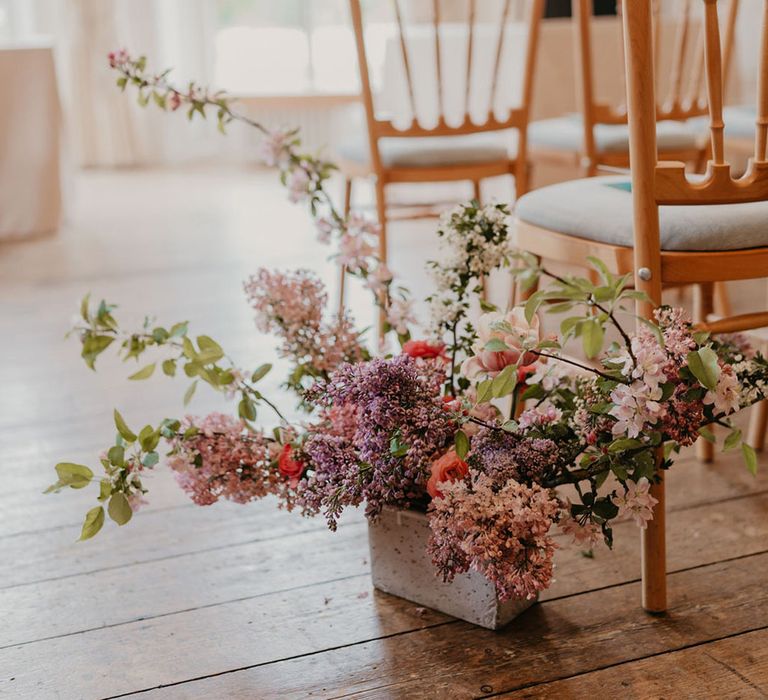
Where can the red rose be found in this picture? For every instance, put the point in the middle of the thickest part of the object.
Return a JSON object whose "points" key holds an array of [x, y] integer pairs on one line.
{"points": [[289, 467], [448, 468], [422, 348]]}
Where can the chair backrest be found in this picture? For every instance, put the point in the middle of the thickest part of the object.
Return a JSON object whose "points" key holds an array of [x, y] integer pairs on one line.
{"points": [[657, 183], [680, 87], [466, 27]]}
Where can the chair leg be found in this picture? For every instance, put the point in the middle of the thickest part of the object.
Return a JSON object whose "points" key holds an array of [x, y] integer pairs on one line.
{"points": [[722, 302], [702, 307], [654, 554], [381, 210], [758, 423], [343, 268], [476, 191]]}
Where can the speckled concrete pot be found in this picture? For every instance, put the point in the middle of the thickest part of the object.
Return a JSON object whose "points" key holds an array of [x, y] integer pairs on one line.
{"points": [[401, 566]]}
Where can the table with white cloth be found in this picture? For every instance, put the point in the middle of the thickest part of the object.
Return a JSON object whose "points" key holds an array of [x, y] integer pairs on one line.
{"points": [[30, 139]]}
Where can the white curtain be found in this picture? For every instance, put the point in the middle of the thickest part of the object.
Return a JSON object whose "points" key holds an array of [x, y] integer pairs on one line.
{"points": [[108, 128]]}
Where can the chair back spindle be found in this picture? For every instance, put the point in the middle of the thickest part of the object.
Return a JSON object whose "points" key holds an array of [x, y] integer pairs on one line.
{"points": [[487, 52]]}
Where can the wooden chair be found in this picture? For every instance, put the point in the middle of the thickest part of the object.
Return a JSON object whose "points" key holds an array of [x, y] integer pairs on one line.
{"points": [[708, 230], [443, 152], [598, 137]]}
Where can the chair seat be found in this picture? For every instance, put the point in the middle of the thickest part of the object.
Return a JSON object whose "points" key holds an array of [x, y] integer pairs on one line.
{"points": [[600, 209], [431, 151], [567, 134]]}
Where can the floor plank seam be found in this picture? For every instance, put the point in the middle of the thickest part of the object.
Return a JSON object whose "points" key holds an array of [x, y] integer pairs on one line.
{"points": [[217, 548], [288, 658], [150, 618], [673, 650]]}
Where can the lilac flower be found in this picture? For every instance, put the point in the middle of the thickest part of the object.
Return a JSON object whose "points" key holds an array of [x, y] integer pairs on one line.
{"points": [[504, 456], [400, 427], [502, 533]]}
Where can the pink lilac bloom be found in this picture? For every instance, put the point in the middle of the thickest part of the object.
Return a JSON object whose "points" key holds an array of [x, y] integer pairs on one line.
{"points": [[395, 399], [740, 342], [225, 460], [500, 532], [355, 252], [274, 148], [400, 314], [298, 184], [726, 397], [682, 417], [291, 305], [675, 328], [539, 415], [118, 58], [636, 501], [324, 230]]}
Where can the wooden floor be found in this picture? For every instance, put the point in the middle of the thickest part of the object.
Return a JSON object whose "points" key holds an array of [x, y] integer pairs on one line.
{"points": [[249, 602]]}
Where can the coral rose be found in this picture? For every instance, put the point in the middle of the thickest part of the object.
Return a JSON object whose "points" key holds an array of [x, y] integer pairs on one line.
{"points": [[424, 349], [289, 467], [448, 468], [515, 333]]}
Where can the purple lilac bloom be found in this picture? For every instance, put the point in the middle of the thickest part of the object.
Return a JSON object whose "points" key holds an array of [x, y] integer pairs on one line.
{"points": [[398, 405], [504, 456]]}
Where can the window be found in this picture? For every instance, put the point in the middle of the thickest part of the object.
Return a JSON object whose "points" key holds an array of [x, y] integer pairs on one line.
{"points": [[292, 46]]}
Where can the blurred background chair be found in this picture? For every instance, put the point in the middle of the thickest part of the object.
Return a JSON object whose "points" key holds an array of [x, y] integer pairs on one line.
{"points": [[462, 104], [597, 137]]}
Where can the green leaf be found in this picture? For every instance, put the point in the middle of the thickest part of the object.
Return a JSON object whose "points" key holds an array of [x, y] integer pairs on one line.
{"points": [[123, 429], [190, 392], [119, 509], [732, 440], [260, 372], [84, 308], [179, 329], [624, 444], [116, 456], [703, 364], [144, 373], [496, 345], [105, 489], [210, 350], [148, 438], [246, 409], [532, 305], [94, 519], [750, 457], [592, 336], [77, 476], [169, 368], [485, 391], [461, 443], [505, 382], [707, 434], [150, 459], [602, 268]]}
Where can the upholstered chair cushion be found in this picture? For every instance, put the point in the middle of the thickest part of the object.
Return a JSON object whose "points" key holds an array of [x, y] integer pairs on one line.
{"points": [[432, 151], [567, 134], [600, 209]]}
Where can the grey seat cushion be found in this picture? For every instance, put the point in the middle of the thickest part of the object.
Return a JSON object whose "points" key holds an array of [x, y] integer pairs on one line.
{"points": [[429, 151], [600, 209], [567, 134]]}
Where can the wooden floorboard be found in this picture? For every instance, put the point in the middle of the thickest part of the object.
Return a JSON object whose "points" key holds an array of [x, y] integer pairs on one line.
{"points": [[251, 602]]}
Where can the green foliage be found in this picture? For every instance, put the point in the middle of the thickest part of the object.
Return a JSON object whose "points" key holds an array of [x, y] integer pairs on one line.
{"points": [[94, 520], [704, 366]]}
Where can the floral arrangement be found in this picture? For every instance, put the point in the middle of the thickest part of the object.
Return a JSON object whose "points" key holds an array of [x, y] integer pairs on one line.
{"points": [[482, 426]]}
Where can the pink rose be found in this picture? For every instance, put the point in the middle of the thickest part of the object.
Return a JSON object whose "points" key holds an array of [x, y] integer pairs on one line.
{"points": [[290, 468], [515, 332], [448, 468]]}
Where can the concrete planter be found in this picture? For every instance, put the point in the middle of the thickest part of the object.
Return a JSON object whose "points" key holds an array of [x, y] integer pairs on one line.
{"points": [[401, 566]]}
